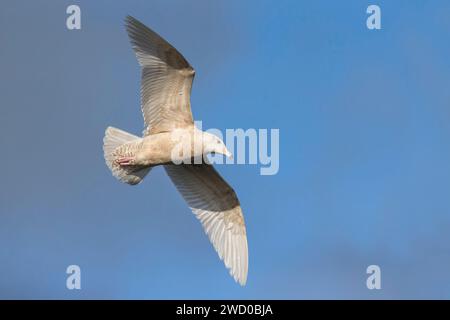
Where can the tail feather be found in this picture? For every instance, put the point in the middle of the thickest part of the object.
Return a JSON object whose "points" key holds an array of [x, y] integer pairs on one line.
{"points": [[117, 142]]}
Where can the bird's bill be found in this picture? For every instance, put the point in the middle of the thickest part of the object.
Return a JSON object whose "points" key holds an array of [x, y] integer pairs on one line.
{"points": [[228, 153]]}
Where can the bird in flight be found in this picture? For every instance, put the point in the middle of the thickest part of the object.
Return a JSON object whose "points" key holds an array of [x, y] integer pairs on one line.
{"points": [[171, 139]]}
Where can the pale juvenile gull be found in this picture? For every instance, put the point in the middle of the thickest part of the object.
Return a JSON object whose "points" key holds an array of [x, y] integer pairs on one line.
{"points": [[165, 102]]}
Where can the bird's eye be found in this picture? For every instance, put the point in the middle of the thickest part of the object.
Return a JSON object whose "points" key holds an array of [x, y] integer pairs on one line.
{"points": [[218, 142]]}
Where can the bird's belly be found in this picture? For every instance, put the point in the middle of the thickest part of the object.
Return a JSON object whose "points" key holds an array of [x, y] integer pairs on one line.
{"points": [[155, 150], [164, 148]]}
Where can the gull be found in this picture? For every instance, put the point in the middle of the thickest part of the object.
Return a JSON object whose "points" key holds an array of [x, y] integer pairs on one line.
{"points": [[166, 83]]}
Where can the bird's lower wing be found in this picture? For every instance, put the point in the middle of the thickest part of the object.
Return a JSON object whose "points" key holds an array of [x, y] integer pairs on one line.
{"points": [[216, 205]]}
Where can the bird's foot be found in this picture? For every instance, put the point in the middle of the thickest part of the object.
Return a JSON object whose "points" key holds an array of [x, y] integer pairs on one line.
{"points": [[125, 161]]}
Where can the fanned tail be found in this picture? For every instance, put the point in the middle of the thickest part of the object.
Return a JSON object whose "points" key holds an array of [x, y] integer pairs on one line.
{"points": [[118, 143]]}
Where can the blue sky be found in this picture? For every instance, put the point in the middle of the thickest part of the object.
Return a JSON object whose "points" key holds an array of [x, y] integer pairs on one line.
{"points": [[364, 119]]}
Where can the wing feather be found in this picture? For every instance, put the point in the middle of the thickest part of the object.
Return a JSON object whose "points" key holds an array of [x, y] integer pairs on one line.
{"points": [[217, 207], [166, 80]]}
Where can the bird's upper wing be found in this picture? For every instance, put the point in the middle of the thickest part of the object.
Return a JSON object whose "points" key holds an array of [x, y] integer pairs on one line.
{"points": [[166, 80], [216, 205]]}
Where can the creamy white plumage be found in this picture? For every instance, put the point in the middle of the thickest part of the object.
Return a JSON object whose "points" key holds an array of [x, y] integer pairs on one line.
{"points": [[165, 102]]}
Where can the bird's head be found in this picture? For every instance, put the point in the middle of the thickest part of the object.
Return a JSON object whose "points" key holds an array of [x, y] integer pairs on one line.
{"points": [[213, 144]]}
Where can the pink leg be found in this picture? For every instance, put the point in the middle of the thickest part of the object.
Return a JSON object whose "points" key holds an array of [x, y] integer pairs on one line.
{"points": [[125, 161]]}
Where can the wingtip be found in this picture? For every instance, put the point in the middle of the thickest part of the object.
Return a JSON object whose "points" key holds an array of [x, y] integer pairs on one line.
{"points": [[240, 276], [129, 18], [241, 279], [129, 21]]}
